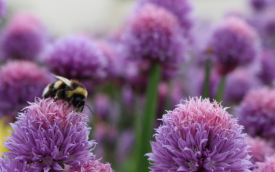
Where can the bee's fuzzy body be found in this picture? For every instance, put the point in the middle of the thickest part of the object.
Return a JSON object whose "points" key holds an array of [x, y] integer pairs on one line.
{"points": [[71, 91]]}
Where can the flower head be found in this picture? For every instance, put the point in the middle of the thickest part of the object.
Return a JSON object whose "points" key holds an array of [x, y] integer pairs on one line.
{"points": [[181, 9], [50, 134], [20, 81], [76, 57], [154, 35], [267, 166], [232, 44], [23, 38], [199, 136], [257, 113], [259, 149], [9, 165], [93, 166]]}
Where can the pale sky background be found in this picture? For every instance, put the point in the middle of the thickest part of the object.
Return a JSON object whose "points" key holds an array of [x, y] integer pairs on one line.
{"points": [[63, 17]]}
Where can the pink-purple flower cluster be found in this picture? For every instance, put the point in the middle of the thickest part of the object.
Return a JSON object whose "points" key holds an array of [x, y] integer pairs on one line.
{"points": [[48, 135], [257, 113], [153, 35], [199, 136]]}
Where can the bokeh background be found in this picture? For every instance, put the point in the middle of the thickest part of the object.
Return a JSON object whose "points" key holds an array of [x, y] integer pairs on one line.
{"points": [[134, 69]]}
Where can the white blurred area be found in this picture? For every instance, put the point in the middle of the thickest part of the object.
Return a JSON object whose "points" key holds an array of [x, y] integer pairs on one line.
{"points": [[63, 17]]}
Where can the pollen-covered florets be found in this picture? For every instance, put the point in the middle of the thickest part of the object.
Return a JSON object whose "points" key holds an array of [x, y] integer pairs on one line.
{"points": [[199, 136], [48, 135]]}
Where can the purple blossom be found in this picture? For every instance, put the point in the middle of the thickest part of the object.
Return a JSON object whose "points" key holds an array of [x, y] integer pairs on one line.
{"points": [[23, 38], [233, 43], [257, 113], [267, 166], [199, 136], [181, 9], [153, 35], [239, 82], [20, 81], [259, 149], [93, 166], [9, 165], [48, 135], [76, 57], [267, 74]]}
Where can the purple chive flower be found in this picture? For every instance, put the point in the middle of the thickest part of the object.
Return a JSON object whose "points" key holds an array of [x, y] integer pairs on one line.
{"points": [[239, 82], [20, 81], [257, 113], [23, 38], [9, 165], [199, 136], [181, 9], [48, 135], [267, 166], [267, 74], [259, 149], [232, 44], [153, 35], [76, 57], [93, 166]]}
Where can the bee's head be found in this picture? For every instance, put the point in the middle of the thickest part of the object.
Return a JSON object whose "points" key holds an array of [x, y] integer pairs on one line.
{"points": [[78, 101]]}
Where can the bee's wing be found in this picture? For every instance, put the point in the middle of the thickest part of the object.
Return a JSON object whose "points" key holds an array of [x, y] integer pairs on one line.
{"points": [[65, 80]]}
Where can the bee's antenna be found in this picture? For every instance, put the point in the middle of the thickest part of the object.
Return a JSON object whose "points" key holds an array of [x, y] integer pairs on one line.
{"points": [[90, 109]]}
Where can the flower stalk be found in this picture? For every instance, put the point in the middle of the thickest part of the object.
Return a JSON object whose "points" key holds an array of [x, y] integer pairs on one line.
{"points": [[147, 121]]}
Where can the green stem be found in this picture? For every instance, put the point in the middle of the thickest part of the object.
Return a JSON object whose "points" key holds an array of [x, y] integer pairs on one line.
{"points": [[147, 121], [206, 80], [219, 96]]}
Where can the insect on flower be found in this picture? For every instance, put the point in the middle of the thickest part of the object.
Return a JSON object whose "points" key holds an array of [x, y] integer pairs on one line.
{"points": [[69, 90]]}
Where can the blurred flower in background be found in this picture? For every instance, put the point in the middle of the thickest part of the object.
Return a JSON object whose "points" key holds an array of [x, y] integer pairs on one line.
{"points": [[153, 35], [181, 9], [23, 38], [76, 57], [20, 82], [233, 43], [256, 113], [259, 149]]}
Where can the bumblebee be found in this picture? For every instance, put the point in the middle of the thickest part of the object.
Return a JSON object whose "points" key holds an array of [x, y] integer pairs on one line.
{"points": [[71, 91]]}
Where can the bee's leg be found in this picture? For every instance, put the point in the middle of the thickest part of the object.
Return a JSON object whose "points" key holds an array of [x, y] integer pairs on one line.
{"points": [[81, 110]]}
